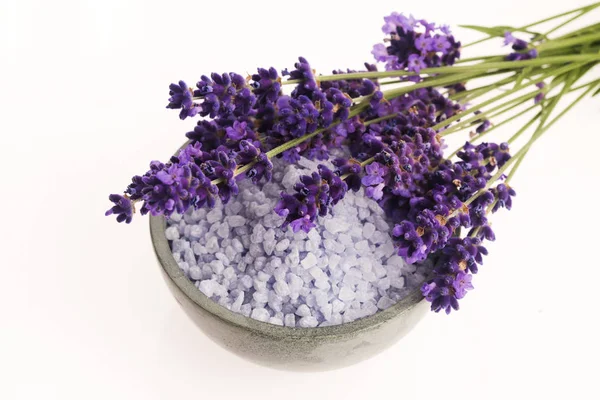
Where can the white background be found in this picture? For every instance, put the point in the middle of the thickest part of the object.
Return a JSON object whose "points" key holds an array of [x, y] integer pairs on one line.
{"points": [[84, 313]]}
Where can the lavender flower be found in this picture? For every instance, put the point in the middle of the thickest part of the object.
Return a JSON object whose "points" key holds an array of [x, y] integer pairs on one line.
{"points": [[540, 96], [298, 116], [166, 190], [177, 185], [208, 133], [262, 168], [224, 95], [182, 98], [352, 87], [503, 194], [304, 73], [374, 180], [221, 167], [350, 170], [516, 44], [315, 195], [266, 85], [452, 273], [123, 208], [519, 46], [415, 44]]}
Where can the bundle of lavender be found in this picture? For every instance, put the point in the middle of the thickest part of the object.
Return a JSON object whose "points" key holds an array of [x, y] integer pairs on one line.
{"points": [[376, 135]]}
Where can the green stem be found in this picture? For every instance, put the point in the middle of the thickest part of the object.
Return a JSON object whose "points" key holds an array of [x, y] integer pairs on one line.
{"points": [[523, 129], [585, 29], [486, 58], [521, 153], [484, 134], [367, 161], [557, 27], [493, 179], [570, 42], [543, 113], [506, 182], [362, 165], [376, 120], [511, 104], [552, 71], [486, 114], [589, 7], [512, 172], [474, 93], [444, 81], [455, 70], [594, 82], [508, 109], [355, 111]]}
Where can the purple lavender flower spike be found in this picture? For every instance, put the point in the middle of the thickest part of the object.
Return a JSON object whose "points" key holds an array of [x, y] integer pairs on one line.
{"points": [[266, 85], [484, 126], [202, 192], [182, 98], [540, 96], [408, 47], [261, 169], [221, 166], [181, 95], [247, 152], [315, 195], [166, 189], [509, 38], [352, 88], [123, 208], [224, 95], [443, 295], [410, 247], [291, 156], [452, 273], [303, 223], [519, 46], [350, 169], [208, 133], [304, 73], [504, 195]]}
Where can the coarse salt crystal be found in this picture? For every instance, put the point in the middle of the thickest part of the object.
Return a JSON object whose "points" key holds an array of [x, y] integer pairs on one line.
{"points": [[309, 261], [308, 322], [346, 294], [214, 215], [260, 314], [336, 225]]}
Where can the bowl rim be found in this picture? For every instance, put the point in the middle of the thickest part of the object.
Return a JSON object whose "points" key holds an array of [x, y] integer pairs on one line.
{"points": [[167, 262]]}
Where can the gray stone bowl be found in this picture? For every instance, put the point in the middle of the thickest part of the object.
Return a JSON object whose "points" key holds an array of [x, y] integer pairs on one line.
{"points": [[302, 349]]}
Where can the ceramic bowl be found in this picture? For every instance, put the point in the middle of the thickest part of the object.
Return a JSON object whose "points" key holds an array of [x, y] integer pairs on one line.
{"points": [[308, 349]]}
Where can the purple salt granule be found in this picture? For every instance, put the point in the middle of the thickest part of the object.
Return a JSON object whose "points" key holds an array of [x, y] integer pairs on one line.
{"points": [[343, 269]]}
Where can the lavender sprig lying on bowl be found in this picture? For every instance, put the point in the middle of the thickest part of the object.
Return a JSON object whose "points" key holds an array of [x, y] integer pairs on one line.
{"points": [[387, 128]]}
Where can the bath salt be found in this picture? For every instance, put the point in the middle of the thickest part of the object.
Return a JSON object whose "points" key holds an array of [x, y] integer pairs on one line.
{"points": [[344, 269]]}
